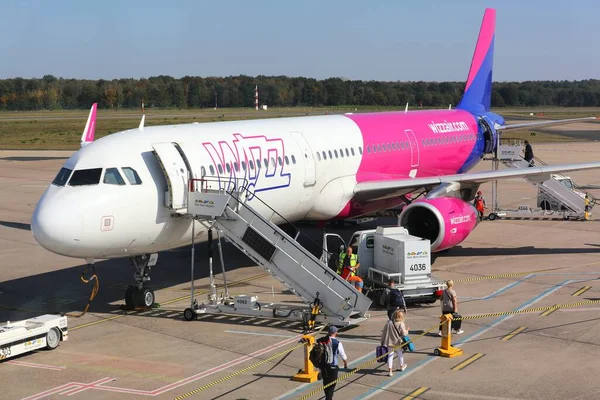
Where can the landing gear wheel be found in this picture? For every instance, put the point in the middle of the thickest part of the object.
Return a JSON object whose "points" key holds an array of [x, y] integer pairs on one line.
{"points": [[189, 314], [492, 216], [144, 298], [436, 352], [52, 339]]}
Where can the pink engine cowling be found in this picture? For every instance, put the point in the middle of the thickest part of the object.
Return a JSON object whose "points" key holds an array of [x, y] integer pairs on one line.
{"points": [[445, 221]]}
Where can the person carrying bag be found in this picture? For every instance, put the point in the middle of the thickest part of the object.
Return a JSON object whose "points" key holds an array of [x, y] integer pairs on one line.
{"points": [[392, 337], [450, 306]]}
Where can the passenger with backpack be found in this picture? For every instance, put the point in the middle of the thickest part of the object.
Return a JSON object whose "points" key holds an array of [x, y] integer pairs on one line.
{"points": [[392, 337], [393, 299], [325, 355]]}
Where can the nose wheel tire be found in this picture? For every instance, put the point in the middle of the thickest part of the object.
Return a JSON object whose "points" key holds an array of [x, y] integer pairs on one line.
{"points": [[135, 297]]}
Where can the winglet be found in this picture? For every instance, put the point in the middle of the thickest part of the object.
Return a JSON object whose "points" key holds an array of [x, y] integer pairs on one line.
{"points": [[90, 127], [141, 127], [406, 109]]}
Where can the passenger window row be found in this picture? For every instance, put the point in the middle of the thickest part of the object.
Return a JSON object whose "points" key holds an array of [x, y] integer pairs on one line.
{"points": [[250, 166], [86, 177], [347, 152], [451, 139]]}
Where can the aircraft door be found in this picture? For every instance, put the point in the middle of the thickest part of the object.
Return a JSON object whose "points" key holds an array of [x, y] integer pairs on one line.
{"points": [[176, 170], [489, 134], [414, 150], [309, 160]]}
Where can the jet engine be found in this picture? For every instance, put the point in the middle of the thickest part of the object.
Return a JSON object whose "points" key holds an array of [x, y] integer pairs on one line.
{"points": [[445, 221]]}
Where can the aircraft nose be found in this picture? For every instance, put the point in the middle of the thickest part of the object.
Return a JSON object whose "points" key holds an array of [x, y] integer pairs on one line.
{"points": [[58, 226]]}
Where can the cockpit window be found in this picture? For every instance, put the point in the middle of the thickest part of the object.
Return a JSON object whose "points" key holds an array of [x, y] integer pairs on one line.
{"points": [[86, 177], [62, 177], [132, 176], [113, 177]]}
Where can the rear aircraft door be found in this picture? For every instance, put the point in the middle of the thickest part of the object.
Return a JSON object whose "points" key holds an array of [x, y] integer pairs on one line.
{"points": [[309, 160], [175, 167], [414, 148]]}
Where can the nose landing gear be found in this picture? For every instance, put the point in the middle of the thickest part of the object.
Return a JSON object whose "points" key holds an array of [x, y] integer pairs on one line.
{"points": [[141, 295]]}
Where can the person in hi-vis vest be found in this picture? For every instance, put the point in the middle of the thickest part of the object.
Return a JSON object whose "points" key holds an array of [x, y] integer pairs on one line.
{"points": [[347, 260], [347, 267]]}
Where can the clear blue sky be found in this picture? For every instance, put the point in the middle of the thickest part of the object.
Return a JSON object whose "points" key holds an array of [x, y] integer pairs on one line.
{"points": [[369, 40]]}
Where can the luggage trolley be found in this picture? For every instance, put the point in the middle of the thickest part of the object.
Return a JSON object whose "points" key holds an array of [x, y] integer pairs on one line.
{"points": [[32, 334]]}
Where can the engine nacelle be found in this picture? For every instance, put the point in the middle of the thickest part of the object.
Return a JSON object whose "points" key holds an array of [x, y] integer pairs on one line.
{"points": [[445, 221]]}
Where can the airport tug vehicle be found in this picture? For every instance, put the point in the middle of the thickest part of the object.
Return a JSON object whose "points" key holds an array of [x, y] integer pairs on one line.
{"points": [[46, 331]]}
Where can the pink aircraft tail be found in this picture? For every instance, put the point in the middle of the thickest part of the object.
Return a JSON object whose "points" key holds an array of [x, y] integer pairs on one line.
{"points": [[90, 127], [478, 90]]}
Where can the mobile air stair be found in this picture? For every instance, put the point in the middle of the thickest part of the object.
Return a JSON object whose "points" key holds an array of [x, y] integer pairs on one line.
{"points": [[227, 210], [557, 195]]}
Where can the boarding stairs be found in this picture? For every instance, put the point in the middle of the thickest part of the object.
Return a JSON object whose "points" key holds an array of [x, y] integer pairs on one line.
{"points": [[570, 198], [277, 252]]}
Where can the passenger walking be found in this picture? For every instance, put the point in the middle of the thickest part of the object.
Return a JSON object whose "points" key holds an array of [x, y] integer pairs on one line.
{"points": [[391, 337], [330, 370], [480, 204], [450, 306], [528, 156], [393, 299]]}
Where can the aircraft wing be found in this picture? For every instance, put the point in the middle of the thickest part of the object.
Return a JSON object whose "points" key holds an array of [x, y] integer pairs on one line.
{"points": [[541, 123], [380, 189]]}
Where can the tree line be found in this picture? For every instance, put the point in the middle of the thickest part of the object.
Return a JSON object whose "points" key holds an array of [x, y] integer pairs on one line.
{"points": [[51, 93]]}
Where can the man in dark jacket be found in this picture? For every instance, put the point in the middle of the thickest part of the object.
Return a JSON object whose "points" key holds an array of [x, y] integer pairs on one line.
{"points": [[393, 299], [528, 154]]}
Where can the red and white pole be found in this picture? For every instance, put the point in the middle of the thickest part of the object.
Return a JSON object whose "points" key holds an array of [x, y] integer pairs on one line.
{"points": [[256, 97]]}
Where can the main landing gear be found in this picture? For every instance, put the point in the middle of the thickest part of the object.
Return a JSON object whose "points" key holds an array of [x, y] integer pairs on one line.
{"points": [[140, 295]]}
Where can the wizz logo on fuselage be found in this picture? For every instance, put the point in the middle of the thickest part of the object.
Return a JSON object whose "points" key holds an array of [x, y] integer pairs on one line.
{"points": [[244, 158]]}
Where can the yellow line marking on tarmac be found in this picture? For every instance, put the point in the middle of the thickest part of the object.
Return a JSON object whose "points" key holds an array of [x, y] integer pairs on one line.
{"points": [[97, 322], [416, 393], [513, 333], [467, 362], [508, 275], [581, 291], [549, 311]]}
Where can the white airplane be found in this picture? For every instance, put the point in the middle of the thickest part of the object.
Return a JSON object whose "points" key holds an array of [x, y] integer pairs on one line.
{"points": [[124, 195]]}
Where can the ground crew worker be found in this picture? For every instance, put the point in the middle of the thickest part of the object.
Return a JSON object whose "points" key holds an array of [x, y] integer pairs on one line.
{"points": [[330, 374], [587, 206], [348, 260], [480, 204]]}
